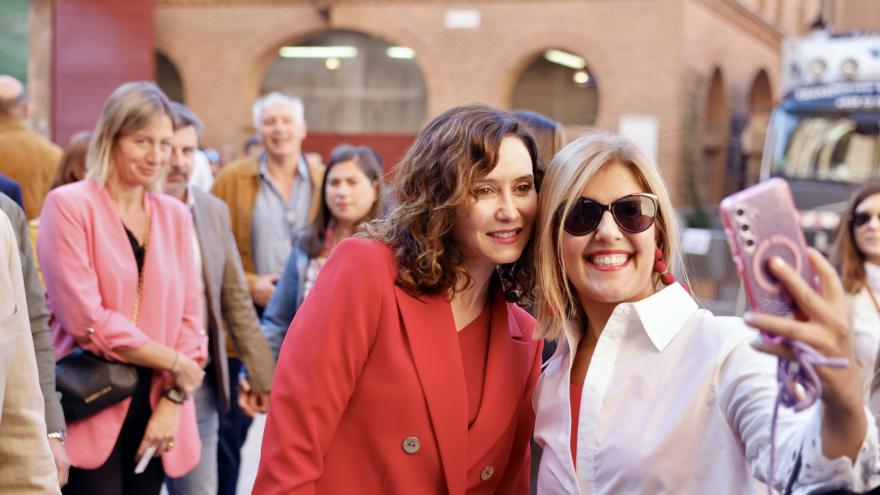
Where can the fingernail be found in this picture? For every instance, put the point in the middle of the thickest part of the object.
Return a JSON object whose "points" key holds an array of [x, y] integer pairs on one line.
{"points": [[749, 317], [758, 343], [777, 262]]}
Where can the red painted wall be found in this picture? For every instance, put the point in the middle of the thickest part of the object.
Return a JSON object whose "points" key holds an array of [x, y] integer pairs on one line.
{"points": [[97, 45], [391, 147]]}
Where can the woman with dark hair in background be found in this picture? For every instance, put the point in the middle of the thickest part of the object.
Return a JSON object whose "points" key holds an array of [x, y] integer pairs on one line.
{"points": [[409, 369], [352, 193], [856, 254], [72, 166]]}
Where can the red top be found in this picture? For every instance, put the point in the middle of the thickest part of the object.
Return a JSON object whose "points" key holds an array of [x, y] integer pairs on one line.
{"points": [[575, 391], [474, 342]]}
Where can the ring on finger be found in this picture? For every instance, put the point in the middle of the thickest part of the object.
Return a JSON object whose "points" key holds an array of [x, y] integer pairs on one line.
{"points": [[169, 445]]}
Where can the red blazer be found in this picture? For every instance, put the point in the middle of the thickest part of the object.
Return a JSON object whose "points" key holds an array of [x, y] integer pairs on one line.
{"points": [[369, 393]]}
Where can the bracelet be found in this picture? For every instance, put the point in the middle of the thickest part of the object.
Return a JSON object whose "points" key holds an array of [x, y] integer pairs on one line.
{"points": [[58, 435], [174, 363], [175, 395]]}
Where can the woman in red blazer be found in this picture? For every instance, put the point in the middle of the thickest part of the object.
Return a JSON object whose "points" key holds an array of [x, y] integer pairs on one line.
{"points": [[408, 368]]}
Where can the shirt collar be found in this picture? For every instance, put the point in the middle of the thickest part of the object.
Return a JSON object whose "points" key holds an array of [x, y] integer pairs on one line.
{"points": [[190, 200], [11, 122], [661, 315], [302, 169]]}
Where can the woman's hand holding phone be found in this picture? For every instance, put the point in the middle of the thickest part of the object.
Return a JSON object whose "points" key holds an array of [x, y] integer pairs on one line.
{"points": [[821, 322]]}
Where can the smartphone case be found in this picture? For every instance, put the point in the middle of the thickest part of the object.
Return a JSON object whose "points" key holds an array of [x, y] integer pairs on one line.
{"points": [[761, 221]]}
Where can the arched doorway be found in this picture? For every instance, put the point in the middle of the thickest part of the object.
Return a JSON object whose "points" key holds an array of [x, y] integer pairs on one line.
{"points": [[168, 79], [560, 85], [715, 140], [356, 89], [760, 106]]}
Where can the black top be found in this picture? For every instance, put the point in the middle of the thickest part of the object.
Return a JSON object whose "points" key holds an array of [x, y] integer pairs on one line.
{"points": [[139, 251]]}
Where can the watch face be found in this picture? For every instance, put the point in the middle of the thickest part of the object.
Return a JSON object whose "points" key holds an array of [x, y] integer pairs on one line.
{"points": [[175, 395]]}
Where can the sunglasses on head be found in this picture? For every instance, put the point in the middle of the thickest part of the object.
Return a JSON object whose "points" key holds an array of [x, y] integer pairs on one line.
{"points": [[633, 213], [863, 217]]}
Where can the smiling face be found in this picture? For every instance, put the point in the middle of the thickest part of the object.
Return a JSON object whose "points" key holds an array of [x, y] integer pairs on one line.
{"points": [[494, 228], [867, 236], [610, 265], [349, 193], [139, 157], [281, 133]]}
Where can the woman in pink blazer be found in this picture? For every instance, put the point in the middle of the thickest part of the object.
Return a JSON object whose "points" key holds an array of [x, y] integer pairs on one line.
{"points": [[406, 369], [121, 283]]}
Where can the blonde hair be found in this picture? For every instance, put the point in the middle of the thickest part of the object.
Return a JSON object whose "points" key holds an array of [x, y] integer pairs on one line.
{"points": [[567, 175], [130, 108]]}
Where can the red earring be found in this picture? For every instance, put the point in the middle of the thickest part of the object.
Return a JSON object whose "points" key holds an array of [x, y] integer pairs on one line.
{"points": [[660, 267]]}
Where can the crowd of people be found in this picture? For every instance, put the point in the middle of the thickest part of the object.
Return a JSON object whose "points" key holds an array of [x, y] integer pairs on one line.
{"points": [[502, 316]]}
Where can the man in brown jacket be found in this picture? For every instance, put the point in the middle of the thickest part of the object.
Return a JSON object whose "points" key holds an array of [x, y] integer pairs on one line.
{"points": [[25, 157], [270, 198]]}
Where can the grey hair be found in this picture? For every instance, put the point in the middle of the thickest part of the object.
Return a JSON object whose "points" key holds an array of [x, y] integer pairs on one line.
{"points": [[264, 101]]}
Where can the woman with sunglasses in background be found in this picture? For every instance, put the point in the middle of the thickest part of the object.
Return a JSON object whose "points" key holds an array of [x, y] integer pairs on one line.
{"points": [[647, 393], [856, 254]]}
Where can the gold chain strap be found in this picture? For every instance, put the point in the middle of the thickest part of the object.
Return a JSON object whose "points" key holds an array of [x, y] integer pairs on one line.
{"points": [[136, 312]]}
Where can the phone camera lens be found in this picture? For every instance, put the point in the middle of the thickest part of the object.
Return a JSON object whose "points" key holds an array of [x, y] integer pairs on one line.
{"points": [[740, 212], [744, 227], [750, 242]]}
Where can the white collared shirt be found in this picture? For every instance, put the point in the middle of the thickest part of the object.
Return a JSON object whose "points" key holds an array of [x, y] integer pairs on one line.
{"points": [[865, 322], [676, 401]]}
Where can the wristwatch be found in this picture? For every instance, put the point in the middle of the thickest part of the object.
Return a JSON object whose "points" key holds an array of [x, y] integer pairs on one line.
{"points": [[175, 395]]}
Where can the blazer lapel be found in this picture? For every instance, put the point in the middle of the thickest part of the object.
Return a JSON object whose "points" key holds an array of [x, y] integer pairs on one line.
{"points": [[430, 330], [507, 371]]}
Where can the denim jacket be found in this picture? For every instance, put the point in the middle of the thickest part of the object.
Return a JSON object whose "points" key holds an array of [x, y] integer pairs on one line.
{"points": [[286, 300]]}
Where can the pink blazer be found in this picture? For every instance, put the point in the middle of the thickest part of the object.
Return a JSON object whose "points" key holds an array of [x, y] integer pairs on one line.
{"points": [[91, 283], [369, 393]]}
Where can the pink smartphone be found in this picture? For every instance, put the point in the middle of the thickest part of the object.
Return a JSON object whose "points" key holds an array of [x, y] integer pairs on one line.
{"points": [[761, 222]]}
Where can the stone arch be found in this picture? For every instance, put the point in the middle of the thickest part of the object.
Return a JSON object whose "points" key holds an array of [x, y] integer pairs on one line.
{"points": [[371, 92], [760, 104], [715, 139], [169, 78], [507, 64], [574, 89]]}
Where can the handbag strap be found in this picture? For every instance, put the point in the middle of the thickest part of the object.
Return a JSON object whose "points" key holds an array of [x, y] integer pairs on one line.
{"points": [[136, 312]]}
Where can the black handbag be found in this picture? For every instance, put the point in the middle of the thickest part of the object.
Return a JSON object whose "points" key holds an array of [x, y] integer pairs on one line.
{"points": [[90, 383]]}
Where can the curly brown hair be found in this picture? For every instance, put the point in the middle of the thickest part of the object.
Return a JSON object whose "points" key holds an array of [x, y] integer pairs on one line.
{"points": [[433, 179]]}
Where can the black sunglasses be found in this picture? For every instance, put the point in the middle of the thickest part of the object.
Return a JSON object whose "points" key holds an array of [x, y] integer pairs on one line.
{"points": [[863, 217], [633, 213]]}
